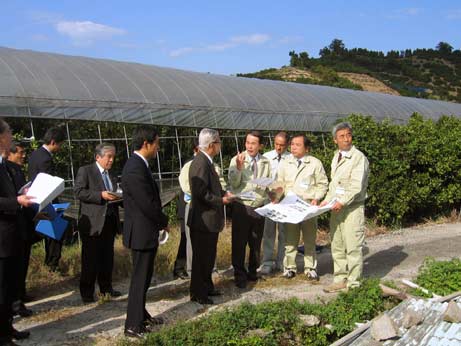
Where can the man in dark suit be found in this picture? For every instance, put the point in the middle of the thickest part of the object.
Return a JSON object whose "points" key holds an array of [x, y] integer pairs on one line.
{"points": [[10, 242], [41, 161], [206, 216], [143, 221], [14, 164], [98, 223]]}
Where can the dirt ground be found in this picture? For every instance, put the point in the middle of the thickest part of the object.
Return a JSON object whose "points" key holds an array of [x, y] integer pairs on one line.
{"points": [[62, 319]]}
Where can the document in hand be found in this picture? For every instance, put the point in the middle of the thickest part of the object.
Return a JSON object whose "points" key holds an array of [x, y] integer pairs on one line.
{"points": [[45, 188], [246, 196], [263, 182], [292, 209]]}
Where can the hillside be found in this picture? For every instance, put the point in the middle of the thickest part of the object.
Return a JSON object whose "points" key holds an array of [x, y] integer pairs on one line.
{"points": [[425, 73]]}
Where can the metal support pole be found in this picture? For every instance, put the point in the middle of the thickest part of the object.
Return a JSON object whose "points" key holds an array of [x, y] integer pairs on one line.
{"points": [[99, 132], [179, 147], [32, 128], [70, 153], [126, 142]]}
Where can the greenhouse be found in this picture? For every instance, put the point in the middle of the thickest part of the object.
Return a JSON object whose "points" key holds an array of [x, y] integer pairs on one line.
{"points": [[39, 90]]}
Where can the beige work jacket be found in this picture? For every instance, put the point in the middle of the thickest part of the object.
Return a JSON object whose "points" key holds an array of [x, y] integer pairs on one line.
{"points": [[349, 178], [308, 181]]}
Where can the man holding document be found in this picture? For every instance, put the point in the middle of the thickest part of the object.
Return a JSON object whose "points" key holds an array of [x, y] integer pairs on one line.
{"points": [[302, 175], [11, 244], [247, 225], [349, 181], [98, 222]]}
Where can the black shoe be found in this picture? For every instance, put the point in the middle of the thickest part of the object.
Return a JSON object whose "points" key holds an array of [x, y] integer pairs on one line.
{"points": [[154, 321], [182, 274], [252, 277], [214, 293], [27, 298], [206, 301], [20, 309], [135, 332], [241, 284], [7, 342], [17, 335], [88, 300]]}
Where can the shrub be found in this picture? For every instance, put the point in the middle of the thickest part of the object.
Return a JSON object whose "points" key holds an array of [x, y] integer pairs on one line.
{"points": [[281, 319], [415, 169]]}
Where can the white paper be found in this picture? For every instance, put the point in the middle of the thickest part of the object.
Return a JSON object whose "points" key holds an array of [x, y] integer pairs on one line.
{"points": [[292, 209], [264, 182], [45, 188], [246, 196]]}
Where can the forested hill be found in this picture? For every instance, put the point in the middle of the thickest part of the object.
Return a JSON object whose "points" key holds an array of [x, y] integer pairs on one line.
{"points": [[426, 73]]}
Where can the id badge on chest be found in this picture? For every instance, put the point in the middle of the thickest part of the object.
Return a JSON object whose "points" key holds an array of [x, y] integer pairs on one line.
{"points": [[304, 184], [340, 191]]}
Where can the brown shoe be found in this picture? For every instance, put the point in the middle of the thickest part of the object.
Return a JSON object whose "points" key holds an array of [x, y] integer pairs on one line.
{"points": [[336, 287]]}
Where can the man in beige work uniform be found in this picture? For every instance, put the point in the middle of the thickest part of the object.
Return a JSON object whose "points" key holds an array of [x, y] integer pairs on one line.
{"points": [[349, 181], [303, 175], [247, 225]]}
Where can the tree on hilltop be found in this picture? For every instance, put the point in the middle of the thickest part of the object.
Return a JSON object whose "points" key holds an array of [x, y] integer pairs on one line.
{"points": [[444, 48]]}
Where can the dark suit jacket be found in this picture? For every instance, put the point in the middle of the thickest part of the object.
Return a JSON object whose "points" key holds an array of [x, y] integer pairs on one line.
{"points": [[93, 208], [206, 212], [10, 237], [25, 215], [40, 161], [143, 208]]}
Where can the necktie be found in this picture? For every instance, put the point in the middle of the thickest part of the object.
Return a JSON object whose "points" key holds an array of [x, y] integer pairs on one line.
{"points": [[105, 178], [299, 162], [279, 157], [339, 157], [254, 168]]}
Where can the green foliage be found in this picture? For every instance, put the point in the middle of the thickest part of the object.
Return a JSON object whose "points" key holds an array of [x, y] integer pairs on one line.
{"points": [[426, 73], [171, 210], [281, 319], [415, 169], [440, 277]]}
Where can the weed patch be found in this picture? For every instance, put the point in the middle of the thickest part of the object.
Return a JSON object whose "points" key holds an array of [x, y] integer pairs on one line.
{"points": [[440, 277], [279, 322]]}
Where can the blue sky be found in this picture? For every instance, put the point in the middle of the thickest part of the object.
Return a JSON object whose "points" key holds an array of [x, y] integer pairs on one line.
{"points": [[225, 37]]}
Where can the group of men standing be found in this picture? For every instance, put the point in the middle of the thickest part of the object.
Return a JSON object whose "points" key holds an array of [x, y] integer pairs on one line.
{"points": [[296, 171]]}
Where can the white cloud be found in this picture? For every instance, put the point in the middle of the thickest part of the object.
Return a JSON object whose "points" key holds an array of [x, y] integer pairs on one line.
{"points": [[454, 14], [221, 46], [405, 13], [290, 39], [251, 39], [181, 51], [233, 42], [86, 32]]}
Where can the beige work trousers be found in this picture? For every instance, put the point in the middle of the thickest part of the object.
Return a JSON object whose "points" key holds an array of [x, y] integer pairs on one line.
{"points": [[292, 234], [347, 229]]}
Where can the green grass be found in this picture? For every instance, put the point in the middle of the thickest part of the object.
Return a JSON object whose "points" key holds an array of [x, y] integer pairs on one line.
{"points": [[40, 279], [440, 277], [281, 319]]}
